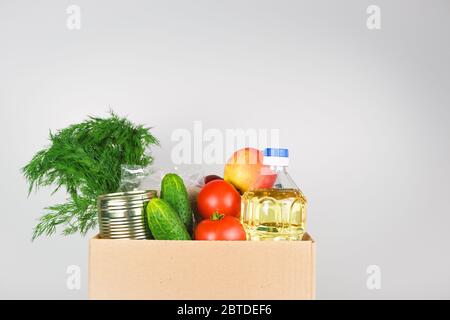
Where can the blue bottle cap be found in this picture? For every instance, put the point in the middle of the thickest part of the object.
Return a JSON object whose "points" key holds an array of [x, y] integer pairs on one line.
{"points": [[276, 152]]}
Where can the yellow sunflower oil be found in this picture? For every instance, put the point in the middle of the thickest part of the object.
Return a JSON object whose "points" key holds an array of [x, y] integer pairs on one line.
{"points": [[276, 213]]}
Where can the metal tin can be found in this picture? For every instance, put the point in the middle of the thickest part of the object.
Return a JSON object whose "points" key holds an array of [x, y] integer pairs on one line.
{"points": [[122, 215]]}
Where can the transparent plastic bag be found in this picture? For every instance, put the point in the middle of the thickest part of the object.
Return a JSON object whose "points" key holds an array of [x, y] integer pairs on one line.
{"points": [[192, 177], [149, 178], [131, 177]]}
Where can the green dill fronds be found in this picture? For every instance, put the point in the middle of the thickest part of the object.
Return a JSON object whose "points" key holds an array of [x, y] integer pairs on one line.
{"points": [[85, 159]]}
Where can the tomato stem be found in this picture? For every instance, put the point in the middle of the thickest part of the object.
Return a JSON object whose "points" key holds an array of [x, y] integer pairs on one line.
{"points": [[216, 216]]}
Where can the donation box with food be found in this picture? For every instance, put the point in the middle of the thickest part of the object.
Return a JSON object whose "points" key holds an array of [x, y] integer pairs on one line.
{"points": [[176, 233]]}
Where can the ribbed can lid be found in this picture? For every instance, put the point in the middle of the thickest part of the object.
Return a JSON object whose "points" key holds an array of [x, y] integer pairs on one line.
{"points": [[124, 200]]}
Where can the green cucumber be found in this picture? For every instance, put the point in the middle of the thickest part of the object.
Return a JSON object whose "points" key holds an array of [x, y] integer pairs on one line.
{"points": [[164, 222], [174, 192]]}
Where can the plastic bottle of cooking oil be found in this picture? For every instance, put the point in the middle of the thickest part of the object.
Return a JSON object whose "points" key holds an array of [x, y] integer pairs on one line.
{"points": [[277, 212]]}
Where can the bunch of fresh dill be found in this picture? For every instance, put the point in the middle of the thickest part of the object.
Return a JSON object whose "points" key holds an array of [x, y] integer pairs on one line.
{"points": [[85, 159]]}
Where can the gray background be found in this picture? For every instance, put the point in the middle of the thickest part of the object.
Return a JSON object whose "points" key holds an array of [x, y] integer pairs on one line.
{"points": [[364, 113]]}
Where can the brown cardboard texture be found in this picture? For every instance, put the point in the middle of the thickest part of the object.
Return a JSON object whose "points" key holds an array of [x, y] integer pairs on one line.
{"points": [[153, 269]]}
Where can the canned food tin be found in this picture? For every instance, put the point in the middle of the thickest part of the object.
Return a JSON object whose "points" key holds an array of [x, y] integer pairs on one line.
{"points": [[122, 215]]}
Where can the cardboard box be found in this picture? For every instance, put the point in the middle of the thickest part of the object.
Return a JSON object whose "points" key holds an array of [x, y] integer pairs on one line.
{"points": [[151, 269]]}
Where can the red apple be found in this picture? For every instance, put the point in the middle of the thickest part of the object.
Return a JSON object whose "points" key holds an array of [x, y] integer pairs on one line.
{"points": [[245, 170]]}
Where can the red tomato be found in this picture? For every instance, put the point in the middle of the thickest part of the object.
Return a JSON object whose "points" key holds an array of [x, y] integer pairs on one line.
{"points": [[219, 196], [220, 227]]}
